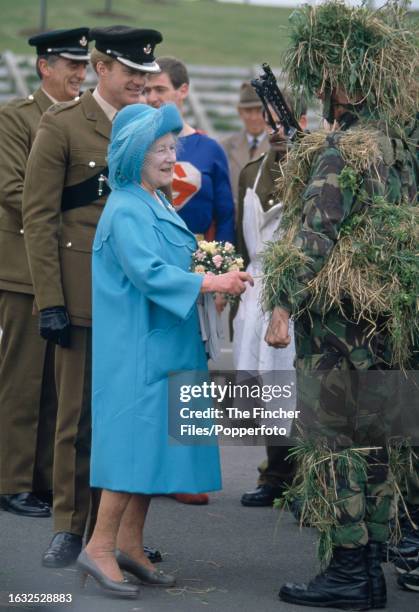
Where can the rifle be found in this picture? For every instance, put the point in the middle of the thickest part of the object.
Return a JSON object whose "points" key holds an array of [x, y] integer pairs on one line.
{"points": [[268, 91]]}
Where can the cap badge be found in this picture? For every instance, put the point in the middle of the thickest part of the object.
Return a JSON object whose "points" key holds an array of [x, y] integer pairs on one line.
{"points": [[83, 41], [148, 49]]}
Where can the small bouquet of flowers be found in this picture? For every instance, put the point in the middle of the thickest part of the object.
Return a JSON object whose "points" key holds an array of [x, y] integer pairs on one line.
{"points": [[217, 258]]}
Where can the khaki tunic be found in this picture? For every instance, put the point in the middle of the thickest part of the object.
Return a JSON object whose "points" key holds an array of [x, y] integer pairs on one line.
{"points": [[265, 190], [236, 147], [70, 147], [19, 121]]}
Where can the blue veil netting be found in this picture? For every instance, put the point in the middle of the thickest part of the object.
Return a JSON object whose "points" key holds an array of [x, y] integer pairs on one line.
{"points": [[135, 128]]}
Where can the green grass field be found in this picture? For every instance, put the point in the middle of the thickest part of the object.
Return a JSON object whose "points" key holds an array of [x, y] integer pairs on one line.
{"points": [[197, 31]]}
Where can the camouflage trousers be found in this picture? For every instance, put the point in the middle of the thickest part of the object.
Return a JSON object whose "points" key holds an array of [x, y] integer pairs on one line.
{"points": [[407, 454], [345, 398], [412, 477], [406, 457]]}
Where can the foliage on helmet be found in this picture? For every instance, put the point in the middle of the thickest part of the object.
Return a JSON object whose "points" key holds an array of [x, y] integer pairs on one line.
{"points": [[371, 55]]}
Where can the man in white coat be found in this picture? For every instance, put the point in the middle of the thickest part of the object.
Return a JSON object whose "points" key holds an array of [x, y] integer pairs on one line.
{"points": [[258, 215]]}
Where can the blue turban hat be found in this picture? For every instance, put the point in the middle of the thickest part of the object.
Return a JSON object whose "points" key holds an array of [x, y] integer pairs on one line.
{"points": [[135, 128]]}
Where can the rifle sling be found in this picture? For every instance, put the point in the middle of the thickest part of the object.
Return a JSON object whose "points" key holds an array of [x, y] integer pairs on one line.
{"points": [[83, 194]]}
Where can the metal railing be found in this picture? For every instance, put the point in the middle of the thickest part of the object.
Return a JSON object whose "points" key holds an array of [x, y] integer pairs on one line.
{"points": [[211, 105]]}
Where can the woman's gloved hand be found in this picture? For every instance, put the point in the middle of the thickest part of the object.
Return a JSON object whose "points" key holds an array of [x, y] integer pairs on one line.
{"points": [[54, 325]]}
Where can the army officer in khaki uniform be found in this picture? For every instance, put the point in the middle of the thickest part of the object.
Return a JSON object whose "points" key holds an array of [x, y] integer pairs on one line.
{"points": [[65, 191], [27, 388]]}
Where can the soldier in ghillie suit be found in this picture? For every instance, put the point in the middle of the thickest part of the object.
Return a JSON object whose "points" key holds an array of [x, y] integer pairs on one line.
{"points": [[406, 554], [347, 271]]}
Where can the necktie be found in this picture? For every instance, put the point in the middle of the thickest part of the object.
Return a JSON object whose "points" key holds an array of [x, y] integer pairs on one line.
{"points": [[253, 147]]}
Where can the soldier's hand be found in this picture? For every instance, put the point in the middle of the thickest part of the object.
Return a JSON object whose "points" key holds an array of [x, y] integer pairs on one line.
{"points": [[278, 140], [277, 334], [54, 325]]}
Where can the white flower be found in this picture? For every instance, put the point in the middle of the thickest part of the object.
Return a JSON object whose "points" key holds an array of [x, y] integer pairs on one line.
{"points": [[200, 269], [228, 247], [208, 247]]}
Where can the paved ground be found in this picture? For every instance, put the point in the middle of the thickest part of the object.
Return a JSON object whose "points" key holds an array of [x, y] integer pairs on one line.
{"points": [[226, 557]]}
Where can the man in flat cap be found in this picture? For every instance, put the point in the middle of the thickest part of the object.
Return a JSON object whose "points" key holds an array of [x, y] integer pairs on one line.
{"points": [[27, 388], [65, 191], [249, 143]]}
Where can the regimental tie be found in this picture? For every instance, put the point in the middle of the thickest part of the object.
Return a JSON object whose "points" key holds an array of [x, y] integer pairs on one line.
{"points": [[253, 147]]}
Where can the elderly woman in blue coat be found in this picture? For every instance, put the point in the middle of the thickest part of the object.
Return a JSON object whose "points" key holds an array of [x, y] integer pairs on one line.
{"points": [[145, 325]]}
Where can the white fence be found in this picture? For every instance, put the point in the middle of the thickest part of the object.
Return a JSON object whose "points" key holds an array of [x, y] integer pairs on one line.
{"points": [[414, 4]]}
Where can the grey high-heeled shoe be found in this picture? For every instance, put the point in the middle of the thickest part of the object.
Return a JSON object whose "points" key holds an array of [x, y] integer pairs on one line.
{"points": [[110, 588], [153, 578]]}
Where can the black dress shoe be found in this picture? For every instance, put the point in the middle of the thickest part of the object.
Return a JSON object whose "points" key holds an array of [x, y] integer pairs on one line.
{"points": [[153, 554], [25, 504], [63, 550], [263, 495], [45, 496]]}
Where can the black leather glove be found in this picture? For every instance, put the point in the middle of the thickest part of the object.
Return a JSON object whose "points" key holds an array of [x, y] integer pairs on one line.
{"points": [[54, 325]]}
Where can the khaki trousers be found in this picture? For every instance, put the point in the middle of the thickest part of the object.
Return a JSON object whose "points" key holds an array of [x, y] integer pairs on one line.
{"points": [[73, 373], [277, 470], [27, 399]]}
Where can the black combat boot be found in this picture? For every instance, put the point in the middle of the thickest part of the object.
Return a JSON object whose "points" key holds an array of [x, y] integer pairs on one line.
{"points": [[378, 590], [409, 580], [344, 584], [408, 547]]}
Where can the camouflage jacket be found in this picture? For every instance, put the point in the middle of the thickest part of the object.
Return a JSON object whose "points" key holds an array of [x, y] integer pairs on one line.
{"points": [[326, 204]]}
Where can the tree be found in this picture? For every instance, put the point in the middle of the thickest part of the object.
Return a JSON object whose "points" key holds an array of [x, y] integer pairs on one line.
{"points": [[108, 12]]}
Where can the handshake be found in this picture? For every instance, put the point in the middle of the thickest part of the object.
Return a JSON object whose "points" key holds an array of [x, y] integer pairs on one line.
{"points": [[277, 334], [233, 283], [54, 322]]}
